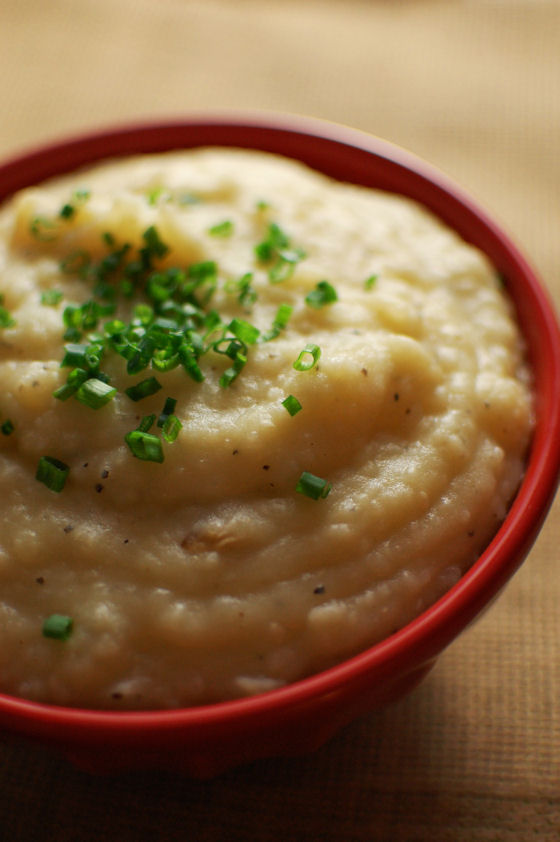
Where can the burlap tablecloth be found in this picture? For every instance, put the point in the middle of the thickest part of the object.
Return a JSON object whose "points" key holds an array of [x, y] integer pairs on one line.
{"points": [[472, 86]]}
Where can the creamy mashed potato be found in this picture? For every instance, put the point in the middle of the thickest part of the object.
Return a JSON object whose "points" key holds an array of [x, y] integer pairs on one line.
{"points": [[207, 571]]}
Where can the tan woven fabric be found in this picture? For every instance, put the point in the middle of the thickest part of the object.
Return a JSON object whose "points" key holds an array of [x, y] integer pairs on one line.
{"points": [[474, 87]]}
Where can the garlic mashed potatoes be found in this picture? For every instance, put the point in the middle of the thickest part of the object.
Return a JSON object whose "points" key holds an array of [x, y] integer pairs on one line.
{"points": [[253, 421]]}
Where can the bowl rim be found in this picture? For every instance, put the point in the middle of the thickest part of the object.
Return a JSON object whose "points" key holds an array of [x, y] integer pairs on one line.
{"points": [[425, 636]]}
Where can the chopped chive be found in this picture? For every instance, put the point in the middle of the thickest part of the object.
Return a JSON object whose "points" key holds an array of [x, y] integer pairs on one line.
{"points": [[154, 245], [370, 281], [75, 355], [58, 626], [303, 363], [323, 294], [313, 486], [203, 271], [283, 315], [43, 229], [171, 428], [247, 295], [143, 313], [141, 356], [285, 265], [52, 472], [231, 373], [146, 423], [275, 240], [144, 389], [6, 319], [168, 409], [75, 379], [292, 405], [188, 360], [145, 446], [154, 194], [222, 229], [7, 427], [276, 247], [281, 320], [67, 211], [95, 393], [165, 360], [51, 297], [244, 331]]}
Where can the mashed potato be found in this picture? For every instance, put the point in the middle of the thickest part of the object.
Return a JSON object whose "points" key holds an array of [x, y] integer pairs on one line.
{"points": [[290, 414]]}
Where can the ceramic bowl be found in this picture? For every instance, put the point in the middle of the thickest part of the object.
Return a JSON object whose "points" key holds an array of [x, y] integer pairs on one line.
{"points": [[203, 741]]}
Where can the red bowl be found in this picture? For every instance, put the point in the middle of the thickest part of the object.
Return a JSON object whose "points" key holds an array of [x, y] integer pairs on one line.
{"points": [[206, 740]]}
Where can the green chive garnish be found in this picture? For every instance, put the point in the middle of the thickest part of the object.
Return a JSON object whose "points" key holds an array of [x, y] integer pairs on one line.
{"points": [[147, 423], [244, 331], [370, 282], [231, 373], [222, 229], [168, 409], [52, 472], [308, 357], [145, 446], [153, 195], [292, 405], [95, 393], [42, 228], [51, 297], [7, 427], [58, 626], [171, 428], [277, 249], [75, 379], [312, 486], [280, 322], [323, 294], [246, 295], [67, 211], [143, 389], [6, 319]]}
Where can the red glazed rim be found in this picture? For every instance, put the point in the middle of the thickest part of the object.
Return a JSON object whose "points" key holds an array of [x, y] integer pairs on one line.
{"points": [[353, 156]]}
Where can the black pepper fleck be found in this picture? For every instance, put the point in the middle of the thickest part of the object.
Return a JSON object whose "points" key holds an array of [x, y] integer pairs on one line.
{"points": [[266, 467], [396, 396], [68, 528], [234, 452], [104, 474], [40, 580], [319, 589], [99, 488]]}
